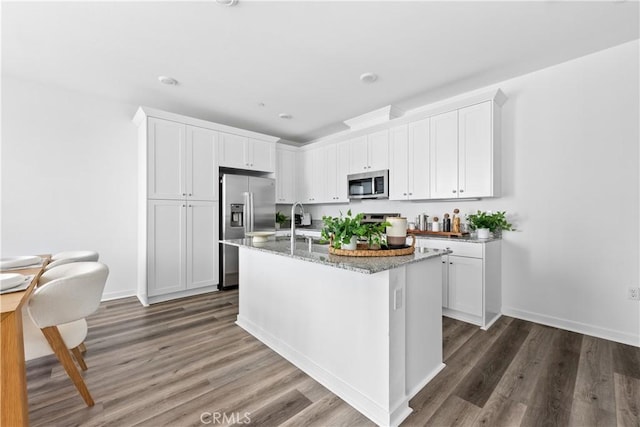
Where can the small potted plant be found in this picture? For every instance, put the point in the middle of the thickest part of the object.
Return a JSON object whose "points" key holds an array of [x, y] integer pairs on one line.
{"points": [[375, 234], [485, 222], [343, 231], [280, 219]]}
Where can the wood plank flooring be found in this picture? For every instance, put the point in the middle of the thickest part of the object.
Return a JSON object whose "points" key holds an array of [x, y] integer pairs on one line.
{"points": [[185, 363]]}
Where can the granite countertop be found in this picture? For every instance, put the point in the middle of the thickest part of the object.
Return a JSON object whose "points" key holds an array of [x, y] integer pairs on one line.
{"points": [[319, 254]]}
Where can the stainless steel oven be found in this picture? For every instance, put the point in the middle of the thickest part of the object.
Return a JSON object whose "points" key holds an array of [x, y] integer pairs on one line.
{"points": [[369, 185]]}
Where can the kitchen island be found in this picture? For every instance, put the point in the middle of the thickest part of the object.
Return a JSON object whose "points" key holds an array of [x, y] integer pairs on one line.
{"points": [[368, 329]]}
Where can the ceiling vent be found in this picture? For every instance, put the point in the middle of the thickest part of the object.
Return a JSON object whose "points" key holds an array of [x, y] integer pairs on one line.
{"points": [[372, 118]]}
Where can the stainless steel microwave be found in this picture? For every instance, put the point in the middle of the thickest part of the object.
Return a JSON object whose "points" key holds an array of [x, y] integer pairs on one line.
{"points": [[369, 185]]}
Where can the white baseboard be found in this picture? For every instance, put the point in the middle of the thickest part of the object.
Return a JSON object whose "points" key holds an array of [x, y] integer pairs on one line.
{"points": [[117, 295], [569, 325]]}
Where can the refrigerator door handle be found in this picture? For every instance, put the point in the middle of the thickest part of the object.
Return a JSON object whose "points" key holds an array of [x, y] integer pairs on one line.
{"points": [[252, 212], [246, 213]]}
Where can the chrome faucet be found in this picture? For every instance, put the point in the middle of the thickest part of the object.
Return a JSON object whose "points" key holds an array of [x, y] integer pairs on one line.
{"points": [[293, 223]]}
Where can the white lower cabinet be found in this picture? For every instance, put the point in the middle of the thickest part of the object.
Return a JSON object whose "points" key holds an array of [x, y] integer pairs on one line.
{"points": [[182, 246], [464, 290], [471, 280]]}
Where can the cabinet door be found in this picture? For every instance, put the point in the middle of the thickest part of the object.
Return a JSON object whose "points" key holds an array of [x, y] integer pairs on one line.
{"points": [[444, 155], [233, 151], [166, 243], [330, 173], [166, 164], [202, 244], [305, 176], [378, 150], [465, 285], [317, 164], [202, 164], [358, 161], [475, 158], [261, 155], [398, 159], [342, 170], [418, 160], [285, 176]]}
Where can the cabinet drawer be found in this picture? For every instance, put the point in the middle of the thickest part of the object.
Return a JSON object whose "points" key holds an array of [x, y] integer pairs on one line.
{"points": [[472, 250]]}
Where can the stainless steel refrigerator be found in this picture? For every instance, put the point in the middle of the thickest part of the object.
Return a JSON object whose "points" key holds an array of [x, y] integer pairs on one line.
{"points": [[248, 204]]}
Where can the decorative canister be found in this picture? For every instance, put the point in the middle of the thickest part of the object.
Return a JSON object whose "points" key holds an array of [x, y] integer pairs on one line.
{"points": [[397, 231]]}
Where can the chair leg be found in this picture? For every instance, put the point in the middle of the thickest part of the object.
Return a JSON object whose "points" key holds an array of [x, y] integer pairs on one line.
{"points": [[78, 355], [82, 348], [52, 334]]}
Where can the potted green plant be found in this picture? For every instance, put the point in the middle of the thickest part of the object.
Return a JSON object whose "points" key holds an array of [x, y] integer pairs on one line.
{"points": [[280, 219], [376, 234], [343, 231], [485, 222]]}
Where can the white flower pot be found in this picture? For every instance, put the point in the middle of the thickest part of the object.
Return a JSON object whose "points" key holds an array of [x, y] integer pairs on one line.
{"points": [[483, 233], [352, 246]]}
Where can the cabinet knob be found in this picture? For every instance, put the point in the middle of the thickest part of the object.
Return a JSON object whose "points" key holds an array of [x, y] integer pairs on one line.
{"points": [[364, 167], [411, 194], [453, 191], [462, 191], [450, 262], [190, 194], [184, 206], [184, 194]]}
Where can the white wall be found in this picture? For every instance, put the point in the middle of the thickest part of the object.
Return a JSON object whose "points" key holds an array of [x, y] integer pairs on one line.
{"points": [[571, 186], [69, 177]]}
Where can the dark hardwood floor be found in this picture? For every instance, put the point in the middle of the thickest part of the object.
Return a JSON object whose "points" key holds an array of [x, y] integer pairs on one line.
{"points": [[185, 363]]}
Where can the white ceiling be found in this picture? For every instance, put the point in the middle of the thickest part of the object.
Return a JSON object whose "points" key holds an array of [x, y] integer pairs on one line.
{"points": [[302, 58]]}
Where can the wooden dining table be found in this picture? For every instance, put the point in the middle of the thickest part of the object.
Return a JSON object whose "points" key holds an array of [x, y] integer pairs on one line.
{"points": [[14, 404]]}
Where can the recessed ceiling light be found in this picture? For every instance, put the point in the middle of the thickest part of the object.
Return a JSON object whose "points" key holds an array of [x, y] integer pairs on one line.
{"points": [[284, 115], [260, 104], [227, 2], [167, 80], [368, 77]]}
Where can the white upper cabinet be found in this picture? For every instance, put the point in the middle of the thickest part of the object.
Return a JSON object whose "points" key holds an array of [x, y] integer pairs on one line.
{"points": [[182, 161], [261, 155], [202, 164], [312, 188], [369, 152], [409, 161], [476, 155], [418, 160], [444, 155], [166, 164], [233, 151], [398, 158], [241, 152], [285, 174], [464, 150], [323, 174], [337, 161]]}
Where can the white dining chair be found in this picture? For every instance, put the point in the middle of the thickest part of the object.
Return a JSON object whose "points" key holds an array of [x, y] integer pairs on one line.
{"points": [[67, 257], [54, 319]]}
